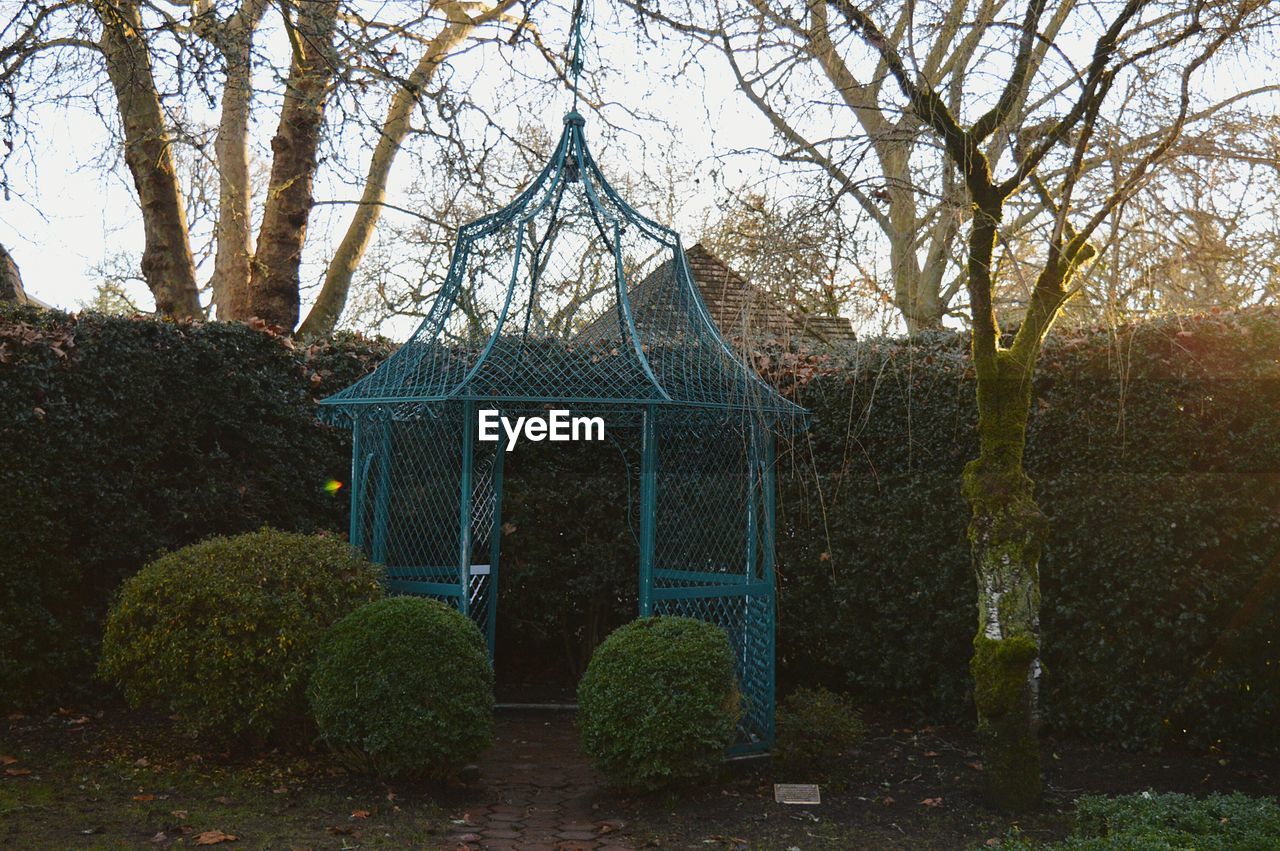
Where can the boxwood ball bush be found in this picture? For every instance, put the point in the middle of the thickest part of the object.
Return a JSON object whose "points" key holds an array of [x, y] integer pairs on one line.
{"points": [[223, 633], [659, 702], [403, 686]]}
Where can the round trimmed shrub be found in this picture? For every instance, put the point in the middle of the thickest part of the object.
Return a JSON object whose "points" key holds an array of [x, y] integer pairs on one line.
{"points": [[403, 686], [659, 702], [223, 633]]}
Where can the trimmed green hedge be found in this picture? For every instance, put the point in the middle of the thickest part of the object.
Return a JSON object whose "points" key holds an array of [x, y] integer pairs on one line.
{"points": [[223, 634], [403, 687], [122, 438], [659, 702], [1156, 452], [1154, 447]]}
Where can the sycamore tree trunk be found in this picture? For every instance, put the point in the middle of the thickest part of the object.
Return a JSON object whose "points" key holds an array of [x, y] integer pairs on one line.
{"points": [[1005, 534], [274, 290], [232, 265], [167, 264], [325, 313]]}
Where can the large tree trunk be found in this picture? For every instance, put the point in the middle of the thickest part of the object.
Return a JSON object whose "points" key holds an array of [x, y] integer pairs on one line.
{"points": [[232, 261], [1005, 534], [327, 310], [274, 286], [916, 295], [167, 265]]}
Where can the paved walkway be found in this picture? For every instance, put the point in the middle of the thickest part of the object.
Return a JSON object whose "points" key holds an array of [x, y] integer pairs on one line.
{"points": [[543, 794]]}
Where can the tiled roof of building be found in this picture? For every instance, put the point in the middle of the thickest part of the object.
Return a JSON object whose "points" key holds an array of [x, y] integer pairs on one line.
{"points": [[742, 310]]}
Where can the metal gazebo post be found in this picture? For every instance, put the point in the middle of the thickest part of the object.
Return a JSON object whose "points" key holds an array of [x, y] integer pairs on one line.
{"points": [[495, 545], [648, 506], [381, 493], [770, 529], [355, 532], [464, 514]]}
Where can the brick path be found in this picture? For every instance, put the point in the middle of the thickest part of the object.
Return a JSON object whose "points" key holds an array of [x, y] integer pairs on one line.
{"points": [[542, 793]]}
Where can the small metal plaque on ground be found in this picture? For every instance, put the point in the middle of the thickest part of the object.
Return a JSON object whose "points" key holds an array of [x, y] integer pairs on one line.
{"points": [[796, 793]]}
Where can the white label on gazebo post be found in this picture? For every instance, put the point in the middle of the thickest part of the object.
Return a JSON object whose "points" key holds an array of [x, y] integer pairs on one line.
{"points": [[479, 570]]}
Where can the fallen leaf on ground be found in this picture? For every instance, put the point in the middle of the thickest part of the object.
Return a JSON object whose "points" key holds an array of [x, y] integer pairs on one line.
{"points": [[215, 837], [17, 772], [8, 760], [932, 753], [360, 814], [144, 797], [888, 801], [338, 830], [976, 766], [180, 815], [932, 802]]}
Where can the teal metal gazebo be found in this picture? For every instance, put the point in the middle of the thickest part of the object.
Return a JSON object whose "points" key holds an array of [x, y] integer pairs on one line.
{"points": [[569, 298]]}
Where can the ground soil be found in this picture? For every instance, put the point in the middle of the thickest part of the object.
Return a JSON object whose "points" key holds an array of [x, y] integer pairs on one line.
{"points": [[111, 778]]}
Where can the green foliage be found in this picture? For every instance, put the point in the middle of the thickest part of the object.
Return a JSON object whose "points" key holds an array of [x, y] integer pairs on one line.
{"points": [[816, 728], [1153, 447], [223, 633], [403, 686], [123, 438], [1150, 822], [659, 702], [1155, 455]]}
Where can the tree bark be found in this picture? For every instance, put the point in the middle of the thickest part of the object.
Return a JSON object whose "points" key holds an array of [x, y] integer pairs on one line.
{"points": [[1006, 533], [327, 310], [10, 279], [232, 261], [167, 264], [274, 284]]}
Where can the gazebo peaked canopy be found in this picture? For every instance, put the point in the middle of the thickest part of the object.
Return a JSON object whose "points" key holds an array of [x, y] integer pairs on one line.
{"points": [[568, 295], [538, 310]]}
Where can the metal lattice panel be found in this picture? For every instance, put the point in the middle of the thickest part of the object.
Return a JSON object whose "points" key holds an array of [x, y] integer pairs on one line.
{"points": [[569, 297]]}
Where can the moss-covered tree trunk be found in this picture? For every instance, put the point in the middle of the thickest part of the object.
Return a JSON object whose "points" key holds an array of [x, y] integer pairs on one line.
{"points": [[1005, 534]]}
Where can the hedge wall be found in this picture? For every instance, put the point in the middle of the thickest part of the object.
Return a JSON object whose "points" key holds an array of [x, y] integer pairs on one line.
{"points": [[1156, 449], [121, 438]]}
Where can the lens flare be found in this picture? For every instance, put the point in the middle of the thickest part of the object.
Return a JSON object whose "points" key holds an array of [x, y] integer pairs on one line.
{"points": [[332, 486]]}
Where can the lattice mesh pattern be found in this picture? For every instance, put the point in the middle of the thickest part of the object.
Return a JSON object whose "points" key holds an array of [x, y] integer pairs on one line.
{"points": [[568, 294], [569, 298]]}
